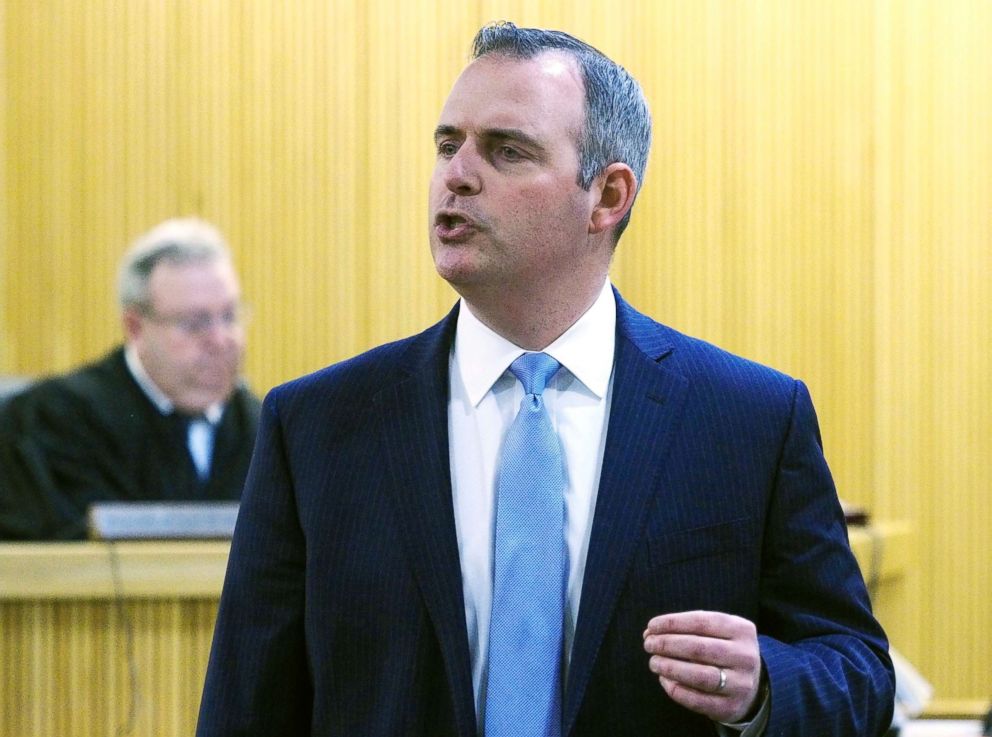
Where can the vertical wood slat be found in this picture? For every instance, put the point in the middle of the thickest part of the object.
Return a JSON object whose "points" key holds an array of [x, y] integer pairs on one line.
{"points": [[817, 198], [73, 678]]}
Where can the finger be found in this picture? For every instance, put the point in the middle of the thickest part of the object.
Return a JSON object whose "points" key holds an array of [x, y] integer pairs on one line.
{"points": [[692, 648], [714, 707], [709, 680], [711, 624]]}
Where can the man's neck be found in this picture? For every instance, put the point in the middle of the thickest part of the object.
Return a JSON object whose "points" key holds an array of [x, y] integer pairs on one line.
{"points": [[147, 384], [532, 321]]}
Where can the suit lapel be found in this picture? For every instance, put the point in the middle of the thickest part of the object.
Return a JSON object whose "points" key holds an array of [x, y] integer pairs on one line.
{"points": [[644, 415], [646, 407], [414, 433]]}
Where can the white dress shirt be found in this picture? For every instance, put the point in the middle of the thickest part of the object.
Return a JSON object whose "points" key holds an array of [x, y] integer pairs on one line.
{"points": [[485, 399]]}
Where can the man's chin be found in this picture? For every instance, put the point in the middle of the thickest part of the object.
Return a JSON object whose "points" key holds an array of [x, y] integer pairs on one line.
{"points": [[457, 269], [204, 398]]}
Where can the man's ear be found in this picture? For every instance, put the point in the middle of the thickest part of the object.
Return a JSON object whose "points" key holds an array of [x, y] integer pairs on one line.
{"points": [[131, 321], [617, 186]]}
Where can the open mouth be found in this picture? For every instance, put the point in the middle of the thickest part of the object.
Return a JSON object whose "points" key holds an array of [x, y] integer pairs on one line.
{"points": [[450, 226], [450, 220]]}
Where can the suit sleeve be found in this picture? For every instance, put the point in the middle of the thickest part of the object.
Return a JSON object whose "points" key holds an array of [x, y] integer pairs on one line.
{"points": [[257, 680], [826, 656]]}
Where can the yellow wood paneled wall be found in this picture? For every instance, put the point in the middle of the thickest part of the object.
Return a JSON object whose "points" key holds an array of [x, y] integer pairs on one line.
{"points": [[933, 324], [818, 198], [80, 678]]}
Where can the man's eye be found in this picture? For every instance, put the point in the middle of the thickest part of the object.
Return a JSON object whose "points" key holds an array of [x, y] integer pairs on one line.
{"points": [[447, 149], [198, 323], [509, 153]]}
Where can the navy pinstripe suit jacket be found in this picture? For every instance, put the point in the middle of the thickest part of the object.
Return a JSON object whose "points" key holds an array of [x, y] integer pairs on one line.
{"points": [[342, 609]]}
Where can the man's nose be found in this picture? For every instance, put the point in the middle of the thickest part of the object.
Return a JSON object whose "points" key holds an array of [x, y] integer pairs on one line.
{"points": [[221, 333], [462, 175], [217, 335]]}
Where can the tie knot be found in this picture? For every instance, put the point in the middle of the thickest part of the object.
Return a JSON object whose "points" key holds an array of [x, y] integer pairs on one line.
{"points": [[534, 370]]}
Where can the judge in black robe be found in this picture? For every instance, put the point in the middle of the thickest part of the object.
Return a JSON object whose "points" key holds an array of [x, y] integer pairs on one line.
{"points": [[94, 435], [129, 426]]}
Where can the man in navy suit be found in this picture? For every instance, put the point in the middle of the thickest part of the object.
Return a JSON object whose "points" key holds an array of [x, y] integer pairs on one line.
{"points": [[709, 587]]}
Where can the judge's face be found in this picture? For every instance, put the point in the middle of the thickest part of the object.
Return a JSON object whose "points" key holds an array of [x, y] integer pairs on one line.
{"points": [[506, 211], [190, 337]]}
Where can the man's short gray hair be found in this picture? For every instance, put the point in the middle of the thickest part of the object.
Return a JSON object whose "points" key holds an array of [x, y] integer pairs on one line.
{"points": [[176, 241], [618, 122]]}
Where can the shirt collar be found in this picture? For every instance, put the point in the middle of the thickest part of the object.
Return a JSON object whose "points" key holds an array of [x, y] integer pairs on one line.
{"points": [[585, 349], [159, 398]]}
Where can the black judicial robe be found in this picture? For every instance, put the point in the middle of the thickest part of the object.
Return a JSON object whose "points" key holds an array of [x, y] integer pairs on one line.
{"points": [[93, 435]]}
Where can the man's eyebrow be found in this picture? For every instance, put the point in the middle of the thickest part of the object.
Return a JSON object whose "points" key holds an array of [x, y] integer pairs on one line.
{"points": [[446, 130], [517, 135], [499, 134]]}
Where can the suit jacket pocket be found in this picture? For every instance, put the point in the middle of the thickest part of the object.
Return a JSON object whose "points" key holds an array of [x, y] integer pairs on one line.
{"points": [[703, 542], [714, 567]]}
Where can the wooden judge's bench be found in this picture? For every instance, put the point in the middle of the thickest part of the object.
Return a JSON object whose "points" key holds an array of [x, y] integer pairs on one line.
{"points": [[102, 639], [106, 639]]}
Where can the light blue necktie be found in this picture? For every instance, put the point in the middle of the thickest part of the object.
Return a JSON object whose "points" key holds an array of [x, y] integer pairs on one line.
{"points": [[523, 695], [200, 441]]}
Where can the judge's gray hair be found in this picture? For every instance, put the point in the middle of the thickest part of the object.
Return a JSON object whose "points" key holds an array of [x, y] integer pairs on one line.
{"points": [[176, 241]]}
